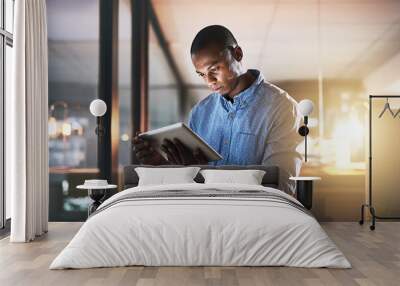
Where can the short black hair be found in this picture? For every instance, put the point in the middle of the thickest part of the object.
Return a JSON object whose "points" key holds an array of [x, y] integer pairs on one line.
{"points": [[214, 34]]}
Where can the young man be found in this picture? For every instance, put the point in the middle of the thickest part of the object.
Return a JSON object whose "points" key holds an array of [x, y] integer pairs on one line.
{"points": [[247, 120]]}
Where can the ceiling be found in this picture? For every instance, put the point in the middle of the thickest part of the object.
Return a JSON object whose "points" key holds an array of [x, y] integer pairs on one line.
{"points": [[286, 39], [290, 40]]}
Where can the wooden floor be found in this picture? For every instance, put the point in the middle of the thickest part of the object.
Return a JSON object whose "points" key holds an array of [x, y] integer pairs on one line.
{"points": [[375, 257]]}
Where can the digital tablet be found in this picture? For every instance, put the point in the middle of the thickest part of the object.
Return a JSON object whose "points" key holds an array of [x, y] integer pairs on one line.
{"points": [[186, 135]]}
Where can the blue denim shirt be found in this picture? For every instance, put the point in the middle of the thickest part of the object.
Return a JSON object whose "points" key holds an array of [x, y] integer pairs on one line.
{"points": [[258, 128]]}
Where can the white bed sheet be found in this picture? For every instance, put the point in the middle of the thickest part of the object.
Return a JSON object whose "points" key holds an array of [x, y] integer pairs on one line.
{"points": [[200, 231]]}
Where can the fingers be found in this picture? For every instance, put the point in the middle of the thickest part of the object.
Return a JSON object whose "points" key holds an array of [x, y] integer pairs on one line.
{"points": [[140, 143], [178, 153], [171, 151], [175, 150], [137, 141], [183, 152], [144, 153], [136, 137], [171, 158], [142, 148]]}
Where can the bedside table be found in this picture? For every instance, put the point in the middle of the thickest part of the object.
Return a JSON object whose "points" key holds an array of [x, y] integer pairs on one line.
{"points": [[97, 193], [304, 189]]}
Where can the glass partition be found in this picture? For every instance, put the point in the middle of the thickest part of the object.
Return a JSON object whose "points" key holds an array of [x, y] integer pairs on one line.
{"points": [[73, 43], [124, 83], [163, 91]]}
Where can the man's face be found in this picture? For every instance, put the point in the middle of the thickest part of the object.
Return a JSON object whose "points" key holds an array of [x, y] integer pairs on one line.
{"points": [[220, 68]]}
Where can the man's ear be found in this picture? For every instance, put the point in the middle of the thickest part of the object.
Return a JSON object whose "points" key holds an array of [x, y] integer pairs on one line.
{"points": [[237, 53]]}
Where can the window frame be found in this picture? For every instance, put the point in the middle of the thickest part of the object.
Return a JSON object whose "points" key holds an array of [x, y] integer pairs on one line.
{"points": [[6, 39]]}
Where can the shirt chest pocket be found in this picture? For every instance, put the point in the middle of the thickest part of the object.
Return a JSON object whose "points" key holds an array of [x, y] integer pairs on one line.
{"points": [[245, 148]]}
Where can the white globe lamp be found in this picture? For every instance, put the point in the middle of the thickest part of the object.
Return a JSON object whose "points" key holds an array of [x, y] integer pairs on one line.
{"points": [[98, 108], [305, 107]]}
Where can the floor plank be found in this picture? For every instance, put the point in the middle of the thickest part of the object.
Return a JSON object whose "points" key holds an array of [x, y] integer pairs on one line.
{"points": [[375, 256]]}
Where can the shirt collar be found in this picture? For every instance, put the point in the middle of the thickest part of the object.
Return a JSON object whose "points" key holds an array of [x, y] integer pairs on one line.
{"points": [[241, 99]]}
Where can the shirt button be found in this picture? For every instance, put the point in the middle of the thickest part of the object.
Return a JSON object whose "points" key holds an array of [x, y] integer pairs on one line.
{"points": [[226, 142]]}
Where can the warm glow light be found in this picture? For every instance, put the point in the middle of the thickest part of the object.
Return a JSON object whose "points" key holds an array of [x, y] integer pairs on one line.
{"points": [[52, 126], [343, 154], [348, 135], [312, 122], [79, 131], [327, 149], [124, 137], [76, 127], [66, 129]]}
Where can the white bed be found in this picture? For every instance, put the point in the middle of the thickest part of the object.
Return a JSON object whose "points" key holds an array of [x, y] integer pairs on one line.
{"points": [[249, 225]]}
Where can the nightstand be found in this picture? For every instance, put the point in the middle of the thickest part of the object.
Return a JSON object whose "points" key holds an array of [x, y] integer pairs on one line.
{"points": [[97, 190], [304, 190]]}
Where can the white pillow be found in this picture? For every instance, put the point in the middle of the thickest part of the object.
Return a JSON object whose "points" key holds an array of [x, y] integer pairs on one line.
{"points": [[248, 177], [163, 176]]}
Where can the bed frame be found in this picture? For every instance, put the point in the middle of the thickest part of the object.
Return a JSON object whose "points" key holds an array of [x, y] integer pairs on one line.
{"points": [[270, 179]]}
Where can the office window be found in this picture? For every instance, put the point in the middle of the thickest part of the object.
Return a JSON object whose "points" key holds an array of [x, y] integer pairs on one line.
{"points": [[124, 82], [73, 41], [9, 15], [6, 44], [163, 87]]}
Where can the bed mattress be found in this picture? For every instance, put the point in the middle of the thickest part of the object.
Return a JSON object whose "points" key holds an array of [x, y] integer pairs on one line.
{"points": [[201, 225]]}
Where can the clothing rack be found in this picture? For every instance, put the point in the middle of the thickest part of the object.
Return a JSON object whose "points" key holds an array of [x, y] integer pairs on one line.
{"points": [[370, 203]]}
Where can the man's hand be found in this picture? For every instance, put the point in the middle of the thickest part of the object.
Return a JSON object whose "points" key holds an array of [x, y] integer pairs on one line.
{"points": [[179, 154], [146, 154]]}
